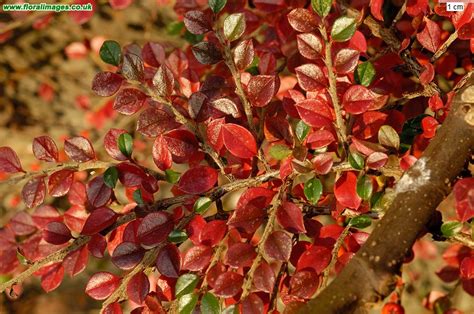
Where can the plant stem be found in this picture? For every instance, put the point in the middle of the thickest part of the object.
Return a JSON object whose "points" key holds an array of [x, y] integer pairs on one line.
{"points": [[340, 124]]}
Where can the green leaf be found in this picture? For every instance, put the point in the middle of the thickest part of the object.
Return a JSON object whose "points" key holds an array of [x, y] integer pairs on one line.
{"points": [[192, 38], [172, 176], [321, 7], [302, 130], [343, 28], [125, 144], [186, 284], [364, 187], [234, 26], [280, 152], [174, 28], [202, 204], [110, 52], [313, 189], [111, 177], [356, 161], [376, 197], [137, 197], [187, 303], [451, 228], [210, 304], [22, 259], [364, 73], [360, 222], [177, 236], [217, 5], [389, 137]]}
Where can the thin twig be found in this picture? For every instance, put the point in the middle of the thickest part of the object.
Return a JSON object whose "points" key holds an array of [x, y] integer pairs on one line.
{"points": [[340, 124], [247, 285], [334, 254], [441, 50], [462, 239]]}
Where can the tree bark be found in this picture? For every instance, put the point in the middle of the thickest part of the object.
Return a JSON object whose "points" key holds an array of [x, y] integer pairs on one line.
{"points": [[370, 275]]}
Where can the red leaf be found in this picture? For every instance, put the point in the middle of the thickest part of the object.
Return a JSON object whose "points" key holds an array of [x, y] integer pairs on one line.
{"points": [[323, 163], [161, 154], [303, 20], [44, 215], [430, 36], [244, 54], [357, 99], [22, 224], [448, 273], [252, 304], [304, 283], [249, 216], [129, 100], [240, 255], [214, 134], [76, 261], [154, 229], [98, 193], [106, 83], [428, 74], [182, 145], [197, 22], [44, 148], [320, 138], [467, 268], [213, 232], [9, 161], [101, 285], [198, 180], [138, 288], [264, 278], [33, 192], [56, 233], [228, 284], [346, 60], [261, 89], [168, 262], [197, 258], [310, 77], [214, 272], [79, 149], [120, 4], [290, 217], [429, 126], [377, 160], [164, 81], [417, 7], [345, 190], [153, 122], [98, 220], [127, 255], [277, 128], [239, 141], [111, 144], [314, 113], [316, 258], [309, 45], [464, 196], [153, 54], [60, 182], [75, 218], [278, 246], [52, 277], [376, 9], [97, 245]]}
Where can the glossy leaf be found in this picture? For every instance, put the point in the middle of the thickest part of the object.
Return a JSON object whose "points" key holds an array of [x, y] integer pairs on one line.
{"points": [[310, 77], [60, 182], [98, 193], [106, 84], [364, 187], [313, 189], [207, 52], [111, 177], [309, 45], [243, 54], [345, 190], [111, 144], [261, 89], [76, 261], [322, 7], [361, 222], [210, 304], [343, 28], [278, 246], [127, 255], [154, 229], [202, 204], [234, 26], [198, 180], [9, 161], [52, 277], [138, 288], [290, 217], [164, 81], [186, 284], [430, 36], [228, 284], [129, 100], [364, 73], [101, 285], [357, 99], [197, 22], [451, 228], [388, 137], [56, 233], [217, 5], [110, 52], [79, 149], [45, 149], [302, 20], [239, 141], [125, 144], [98, 220], [187, 303], [197, 258], [168, 262], [33, 192]]}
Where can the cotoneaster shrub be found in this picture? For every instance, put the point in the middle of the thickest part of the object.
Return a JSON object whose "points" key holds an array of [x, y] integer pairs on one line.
{"points": [[311, 111]]}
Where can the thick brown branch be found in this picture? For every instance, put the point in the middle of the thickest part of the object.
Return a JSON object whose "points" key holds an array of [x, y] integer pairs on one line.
{"points": [[370, 275]]}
